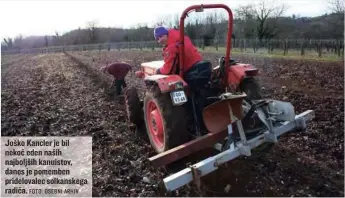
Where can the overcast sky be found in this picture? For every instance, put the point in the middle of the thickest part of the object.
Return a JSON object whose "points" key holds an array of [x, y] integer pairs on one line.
{"points": [[46, 16]]}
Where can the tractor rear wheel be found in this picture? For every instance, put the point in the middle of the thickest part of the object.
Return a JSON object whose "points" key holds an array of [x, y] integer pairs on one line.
{"points": [[252, 88], [133, 105], [166, 124]]}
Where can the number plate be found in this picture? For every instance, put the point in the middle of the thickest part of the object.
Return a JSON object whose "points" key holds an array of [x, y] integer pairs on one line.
{"points": [[178, 97]]}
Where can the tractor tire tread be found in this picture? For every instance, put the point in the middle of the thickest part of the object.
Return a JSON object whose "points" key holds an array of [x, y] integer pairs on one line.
{"points": [[134, 109], [253, 86], [174, 119]]}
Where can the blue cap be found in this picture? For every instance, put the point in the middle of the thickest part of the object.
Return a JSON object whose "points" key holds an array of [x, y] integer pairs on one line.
{"points": [[160, 31]]}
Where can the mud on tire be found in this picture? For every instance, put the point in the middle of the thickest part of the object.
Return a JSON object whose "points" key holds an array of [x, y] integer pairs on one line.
{"points": [[174, 121], [252, 88], [134, 109]]}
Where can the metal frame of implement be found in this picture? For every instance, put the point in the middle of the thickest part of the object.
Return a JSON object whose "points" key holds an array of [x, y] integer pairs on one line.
{"points": [[243, 147]]}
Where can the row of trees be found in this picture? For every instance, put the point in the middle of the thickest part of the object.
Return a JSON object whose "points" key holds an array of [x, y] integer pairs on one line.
{"points": [[262, 21]]}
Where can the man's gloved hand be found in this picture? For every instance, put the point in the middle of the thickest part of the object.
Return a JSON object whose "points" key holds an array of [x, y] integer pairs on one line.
{"points": [[158, 71]]}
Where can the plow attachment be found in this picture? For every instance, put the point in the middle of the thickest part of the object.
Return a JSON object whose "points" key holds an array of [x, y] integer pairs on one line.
{"points": [[223, 120], [211, 164]]}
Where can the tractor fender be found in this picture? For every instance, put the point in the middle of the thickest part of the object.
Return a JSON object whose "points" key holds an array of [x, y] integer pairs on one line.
{"points": [[166, 83]]}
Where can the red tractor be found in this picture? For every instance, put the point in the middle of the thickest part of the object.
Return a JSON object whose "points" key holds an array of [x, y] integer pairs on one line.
{"points": [[232, 95], [164, 111]]}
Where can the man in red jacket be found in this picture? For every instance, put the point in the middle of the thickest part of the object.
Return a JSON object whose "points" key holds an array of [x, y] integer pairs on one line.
{"points": [[119, 72], [197, 72], [170, 41]]}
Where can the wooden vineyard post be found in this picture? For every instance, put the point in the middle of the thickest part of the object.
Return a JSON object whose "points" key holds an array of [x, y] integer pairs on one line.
{"points": [[286, 46], [302, 48], [319, 48]]}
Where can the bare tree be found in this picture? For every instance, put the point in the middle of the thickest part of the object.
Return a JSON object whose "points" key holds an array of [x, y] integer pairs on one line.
{"points": [[245, 12], [176, 22], [264, 11], [18, 41], [221, 25], [246, 25], [46, 41], [92, 28], [169, 21], [266, 14], [161, 21], [56, 38], [336, 6], [9, 42]]}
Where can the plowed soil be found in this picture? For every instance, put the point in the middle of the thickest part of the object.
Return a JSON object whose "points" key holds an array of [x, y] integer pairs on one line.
{"points": [[54, 94]]}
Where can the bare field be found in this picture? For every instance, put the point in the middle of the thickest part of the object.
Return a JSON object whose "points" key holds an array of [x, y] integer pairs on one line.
{"points": [[52, 94]]}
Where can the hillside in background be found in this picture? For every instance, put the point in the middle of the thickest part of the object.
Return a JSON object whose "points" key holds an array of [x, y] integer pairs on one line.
{"points": [[251, 22]]}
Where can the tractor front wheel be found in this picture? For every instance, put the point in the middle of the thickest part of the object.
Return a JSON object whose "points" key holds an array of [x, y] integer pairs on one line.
{"points": [[166, 125]]}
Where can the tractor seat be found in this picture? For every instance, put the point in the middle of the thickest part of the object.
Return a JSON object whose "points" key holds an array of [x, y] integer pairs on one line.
{"points": [[232, 62]]}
